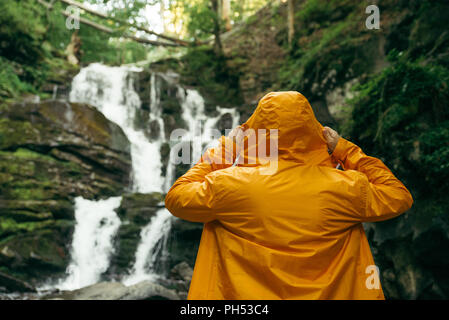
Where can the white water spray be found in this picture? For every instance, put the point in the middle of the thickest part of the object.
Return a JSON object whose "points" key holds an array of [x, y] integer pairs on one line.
{"points": [[110, 90], [92, 245], [148, 251]]}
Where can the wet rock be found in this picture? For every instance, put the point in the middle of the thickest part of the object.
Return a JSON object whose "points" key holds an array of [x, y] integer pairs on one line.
{"points": [[411, 252], [139, 208], [183, 234], [135, 211], [224, 123], [13, 284], [154, 130], [76, 134], [165, 157], [145, 290], [182, 271], [50, 153]]}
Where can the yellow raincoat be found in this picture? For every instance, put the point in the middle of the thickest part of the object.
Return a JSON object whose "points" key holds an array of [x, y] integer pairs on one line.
{"points": [[295, 233]]}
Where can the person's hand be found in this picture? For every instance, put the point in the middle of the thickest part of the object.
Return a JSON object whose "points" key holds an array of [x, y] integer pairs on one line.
{"points": [[331, 137]]}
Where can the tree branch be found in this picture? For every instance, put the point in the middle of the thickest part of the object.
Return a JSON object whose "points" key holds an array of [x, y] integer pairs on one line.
{"points": [[105, 29], [138, 27]]}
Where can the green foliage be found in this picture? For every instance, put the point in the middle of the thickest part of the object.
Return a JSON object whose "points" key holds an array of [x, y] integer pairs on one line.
{"points": [[435, 152], [10, 83], [34, 38], [240, 10], [217, 83], [200, 19], [329, 48], [21, 31], [402, 116], [314, 10]]}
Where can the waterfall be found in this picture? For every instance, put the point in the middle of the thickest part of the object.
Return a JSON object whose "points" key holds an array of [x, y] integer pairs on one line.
{"points": [[148, 251], [96, 225], [111, 91]]}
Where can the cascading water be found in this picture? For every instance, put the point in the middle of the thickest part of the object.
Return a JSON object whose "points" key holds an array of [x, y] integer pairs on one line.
{"points": [[147, 251], [111, 91], [92, 243]]}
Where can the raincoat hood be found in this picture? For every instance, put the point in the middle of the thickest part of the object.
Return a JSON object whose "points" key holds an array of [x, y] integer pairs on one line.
{"points": [[299, 134]]}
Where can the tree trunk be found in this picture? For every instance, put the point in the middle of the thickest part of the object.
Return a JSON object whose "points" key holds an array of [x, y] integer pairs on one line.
{"points": [[291, 21], [226, 11], [218, 48], [73, 49]]}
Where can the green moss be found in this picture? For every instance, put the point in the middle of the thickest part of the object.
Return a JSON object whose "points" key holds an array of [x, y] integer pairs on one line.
{"points": [[23, 153], [10, 84], [9, 226], [314, 10], [29, 158], [13, 132], [325, 54], [26, 216], [29, 175], [136, 200], [41, 245], [401, 116]]}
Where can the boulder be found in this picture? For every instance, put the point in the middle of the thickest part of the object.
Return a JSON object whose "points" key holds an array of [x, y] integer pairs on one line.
{"points": [[182, 271], [145, 290], [74, 136]]}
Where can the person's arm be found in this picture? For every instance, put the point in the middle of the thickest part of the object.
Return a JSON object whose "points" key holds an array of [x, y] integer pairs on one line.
{"points": [[383, 195], [193, 197]]}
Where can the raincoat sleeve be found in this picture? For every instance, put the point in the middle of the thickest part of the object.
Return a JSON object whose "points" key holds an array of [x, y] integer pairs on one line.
{"points": [[193, 196], [383, 195]]}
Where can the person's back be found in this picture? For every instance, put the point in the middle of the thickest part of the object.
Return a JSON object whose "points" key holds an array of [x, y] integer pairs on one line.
{"points": [[290, 233]]}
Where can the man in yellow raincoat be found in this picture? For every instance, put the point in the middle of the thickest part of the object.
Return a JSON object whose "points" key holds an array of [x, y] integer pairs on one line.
{"points": [[295, 233]]}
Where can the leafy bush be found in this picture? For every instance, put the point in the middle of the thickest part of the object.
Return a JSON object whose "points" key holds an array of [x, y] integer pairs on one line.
{"points": [[402, 116], [10, 84], [21, 31]]}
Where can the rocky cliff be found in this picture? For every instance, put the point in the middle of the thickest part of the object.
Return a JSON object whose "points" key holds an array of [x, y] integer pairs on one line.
{"points": [[51, 152]]}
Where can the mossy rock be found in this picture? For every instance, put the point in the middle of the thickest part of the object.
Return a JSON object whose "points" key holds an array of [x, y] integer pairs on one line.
{"points": [[165, 156], [60, 145], [50, 153], [36, 210], [37, 250], [135, 211]]}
